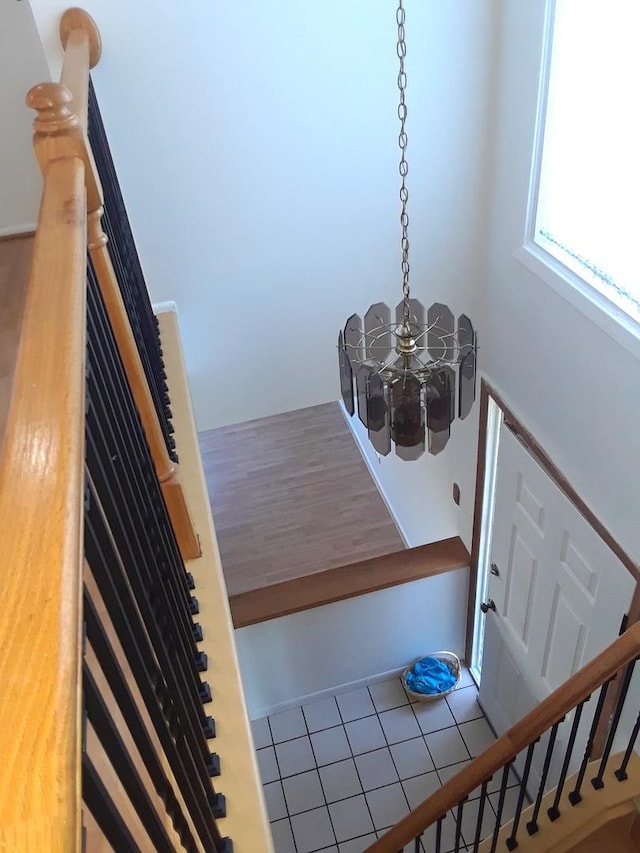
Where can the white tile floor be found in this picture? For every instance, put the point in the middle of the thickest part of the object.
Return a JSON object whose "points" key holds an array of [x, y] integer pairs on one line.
{"points": [[339, 772]]}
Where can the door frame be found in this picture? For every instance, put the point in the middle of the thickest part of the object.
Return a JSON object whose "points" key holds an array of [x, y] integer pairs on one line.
{"points": [[544, 460]]}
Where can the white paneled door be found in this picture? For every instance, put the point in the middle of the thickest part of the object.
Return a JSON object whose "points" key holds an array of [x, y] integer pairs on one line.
{"points": [[559, 592]]}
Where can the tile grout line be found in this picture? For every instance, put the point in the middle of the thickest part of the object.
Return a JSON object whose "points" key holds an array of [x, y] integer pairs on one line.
{"points": [[275, 752], [377, 713], [384, 735], [457, 726], [471, 757], [422, 736], [353, 758], [317, 769]]}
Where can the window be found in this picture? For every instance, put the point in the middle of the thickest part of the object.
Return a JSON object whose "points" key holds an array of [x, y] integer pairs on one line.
{"points": [[587, 214]]}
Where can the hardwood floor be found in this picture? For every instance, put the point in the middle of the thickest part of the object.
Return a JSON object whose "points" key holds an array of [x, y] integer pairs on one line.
{"points": [[291, 497], [15, 258]]}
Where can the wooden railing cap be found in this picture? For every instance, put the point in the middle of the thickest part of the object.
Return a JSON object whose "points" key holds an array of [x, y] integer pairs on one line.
{"points": [[51, 102], [77, 19]]}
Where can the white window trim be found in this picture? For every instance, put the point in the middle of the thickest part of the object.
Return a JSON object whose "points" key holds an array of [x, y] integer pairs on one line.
{"points": [[593, 304]]}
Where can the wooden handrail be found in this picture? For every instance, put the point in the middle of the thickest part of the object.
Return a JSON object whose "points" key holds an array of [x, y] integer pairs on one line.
{"points": [[41, 508], [518, 737], [80, 38]]}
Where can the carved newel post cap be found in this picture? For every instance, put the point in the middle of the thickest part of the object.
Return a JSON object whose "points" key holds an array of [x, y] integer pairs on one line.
{"points": [[51, 102], [77, 19]]}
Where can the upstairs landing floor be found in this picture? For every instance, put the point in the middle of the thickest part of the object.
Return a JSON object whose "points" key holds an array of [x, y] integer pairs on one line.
{"points": [[300, 521], [291, 496]]}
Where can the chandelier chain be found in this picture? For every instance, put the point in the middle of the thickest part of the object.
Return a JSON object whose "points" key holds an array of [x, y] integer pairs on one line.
{"points": [[408, 372], [401, 49]]}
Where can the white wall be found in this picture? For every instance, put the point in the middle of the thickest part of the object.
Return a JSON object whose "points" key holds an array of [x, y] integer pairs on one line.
{"points": [[256, 145], [573, 385], [22, 65], [298, 657], [419, 494]]}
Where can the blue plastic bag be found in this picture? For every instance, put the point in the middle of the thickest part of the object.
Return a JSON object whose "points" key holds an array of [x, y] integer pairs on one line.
{"points": [[430, 676]]}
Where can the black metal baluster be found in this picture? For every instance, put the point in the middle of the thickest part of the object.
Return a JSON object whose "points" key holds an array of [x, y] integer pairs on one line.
{"points": [[597, 781], [575, 796], [458, 836], [553, 812], [153, 368], [481, 806], [128, 436], [159, 700], [174, 580], [125, 431], [512, 840], [621, 772], [122, 763], [110, 666], [183, 691], [503, 791], [141, 329], [532, 825], [416, 844], [168, 598], [104, 810], [167, 609], [181, 675], [124, 256], [439, 834], [140, 533]]}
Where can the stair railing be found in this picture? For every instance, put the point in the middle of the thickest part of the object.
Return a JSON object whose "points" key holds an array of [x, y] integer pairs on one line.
{"points": [[538, 730], [81, 39], [41, 489], [104, 736]]}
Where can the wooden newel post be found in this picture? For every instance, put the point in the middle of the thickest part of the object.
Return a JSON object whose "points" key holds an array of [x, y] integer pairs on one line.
{"points": [[55, 125]]}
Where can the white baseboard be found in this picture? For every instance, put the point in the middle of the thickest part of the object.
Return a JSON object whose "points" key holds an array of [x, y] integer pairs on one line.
{"points": [[374, 475], [17, 230], [324, 694]]}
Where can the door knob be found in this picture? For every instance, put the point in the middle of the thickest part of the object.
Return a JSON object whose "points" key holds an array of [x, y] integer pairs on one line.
{"points": [[486, 606]]}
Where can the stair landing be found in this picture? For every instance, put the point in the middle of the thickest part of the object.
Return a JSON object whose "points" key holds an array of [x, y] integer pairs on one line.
{"points": [[300, 521], [15, 258]]}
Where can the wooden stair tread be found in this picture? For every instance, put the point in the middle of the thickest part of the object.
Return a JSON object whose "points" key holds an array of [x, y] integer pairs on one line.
{"points": [[359, 578], [15, 259], [591, 825]]}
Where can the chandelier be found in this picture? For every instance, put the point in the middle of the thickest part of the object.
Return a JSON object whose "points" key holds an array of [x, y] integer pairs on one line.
{"points": [[410, 375]]}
